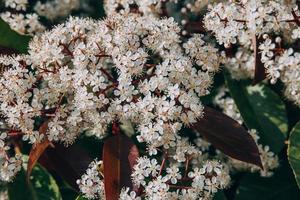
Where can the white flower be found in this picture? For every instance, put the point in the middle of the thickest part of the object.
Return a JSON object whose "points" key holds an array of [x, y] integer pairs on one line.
{"points": [[125, 196], [173, 174], [90, 183]]}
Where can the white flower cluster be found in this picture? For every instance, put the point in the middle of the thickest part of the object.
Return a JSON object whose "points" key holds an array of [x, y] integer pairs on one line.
{"points": [[240, 21], [146, 7], [24, 24], [234, 22], [199, 183], [29, 23], [91, 184], [242, 65], [9, 166], [16, 4], [84, 75], [56, 8], [282, 64], [227, 105], [204, 54], [175, 175], [126, 194]]}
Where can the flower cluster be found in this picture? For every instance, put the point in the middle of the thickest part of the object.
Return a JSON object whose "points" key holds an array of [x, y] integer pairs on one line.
{"points": [[9, 166], [84, 75], [240, 21], [283, 64], [29, 23], [234, 22], [227, 105], [182, 173], [241, 66], [91, 184], [22, 23], [16, 4], [146, 7], [56, 8]]}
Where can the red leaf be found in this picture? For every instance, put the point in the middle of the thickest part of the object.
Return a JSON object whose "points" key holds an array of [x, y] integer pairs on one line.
{"points": [[119, 157], [229, 136], [260, 73], [37, 150]]}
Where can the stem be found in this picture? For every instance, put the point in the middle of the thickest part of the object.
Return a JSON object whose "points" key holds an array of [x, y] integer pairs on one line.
{"points": [[107, 74], [116, 128], [186, 166], [163, 163]]}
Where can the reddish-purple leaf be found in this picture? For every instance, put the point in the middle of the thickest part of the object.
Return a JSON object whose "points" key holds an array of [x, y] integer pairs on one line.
{"points": [[119, 157], [260, 73], [7, 51], [69, 162], [229, 136]]}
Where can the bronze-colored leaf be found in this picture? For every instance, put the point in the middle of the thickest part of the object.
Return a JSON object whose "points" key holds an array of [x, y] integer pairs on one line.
{"points": [[119, 157], [229, 136], [37, 150]]}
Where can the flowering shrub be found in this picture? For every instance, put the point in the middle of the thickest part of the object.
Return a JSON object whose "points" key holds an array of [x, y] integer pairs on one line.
{"points": [[150, 99]]}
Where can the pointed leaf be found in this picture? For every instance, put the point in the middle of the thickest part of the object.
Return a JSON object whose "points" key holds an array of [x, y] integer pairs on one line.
{"points": [[10, 38], [119, 157], [294, 152], [37, 150], [41, 186], [228, 135], [261, 109], [35, 153]]}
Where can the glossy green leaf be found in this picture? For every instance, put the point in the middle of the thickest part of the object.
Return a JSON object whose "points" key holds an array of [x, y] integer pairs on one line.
{"points": [[41, 186], [281, 185], [12, 39], [261, 109], [294, 151]]}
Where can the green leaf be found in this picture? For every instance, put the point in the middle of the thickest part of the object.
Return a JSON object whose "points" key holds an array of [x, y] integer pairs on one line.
{"points": [[281, 185], [294, 151], [41, 186], [10, 38], [220, 196], [81, 198], [261, 109]]}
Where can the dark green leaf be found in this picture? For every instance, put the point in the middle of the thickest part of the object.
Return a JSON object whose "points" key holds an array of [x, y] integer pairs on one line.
{"points": [[41, 186], [220, 196], [294, 151], [10, 38], [261, 109], [278, 187]]}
